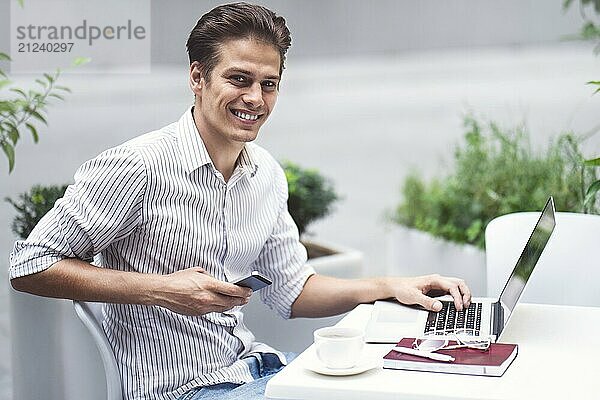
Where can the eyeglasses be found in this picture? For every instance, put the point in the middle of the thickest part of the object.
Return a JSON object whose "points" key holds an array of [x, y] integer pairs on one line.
{"points": [[464, 338]]}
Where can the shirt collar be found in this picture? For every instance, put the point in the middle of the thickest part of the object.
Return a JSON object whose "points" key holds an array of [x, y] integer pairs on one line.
{"points": [[194, 153], [247, 161], [191, 146]]}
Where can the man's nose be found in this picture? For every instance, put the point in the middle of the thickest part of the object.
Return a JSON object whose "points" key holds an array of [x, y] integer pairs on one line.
{"points": [[254, 96]]}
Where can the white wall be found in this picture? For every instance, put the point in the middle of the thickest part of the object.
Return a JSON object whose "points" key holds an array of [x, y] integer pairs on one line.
{"points": [[358, 27]]}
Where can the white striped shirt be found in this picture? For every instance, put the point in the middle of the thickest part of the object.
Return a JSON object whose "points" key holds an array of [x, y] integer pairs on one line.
{"points": [[156, 204]]}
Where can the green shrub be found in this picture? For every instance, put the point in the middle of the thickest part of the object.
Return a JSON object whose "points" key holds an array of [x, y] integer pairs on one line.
{"points": [[496, 173], [32, 206], [590, 31], [311, 196]]}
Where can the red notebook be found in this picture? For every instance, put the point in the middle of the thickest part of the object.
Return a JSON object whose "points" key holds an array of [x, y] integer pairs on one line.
{"points": [[492, 362]]}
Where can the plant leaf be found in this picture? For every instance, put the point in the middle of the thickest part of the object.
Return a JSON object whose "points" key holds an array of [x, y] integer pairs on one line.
{"points": [[597, 83], [4, 57], [33, 131], [19, 91], [4, 82], [81, 61], [63, 88], [567, 4], [591, 193], [10, 106], [38, 116], [13, 132], [56, 96], [592, 163], [49, 77], [41, 82], [9, 150]]}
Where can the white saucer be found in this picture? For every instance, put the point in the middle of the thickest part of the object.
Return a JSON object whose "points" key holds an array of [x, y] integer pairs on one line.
{"points": [[366, 363]]}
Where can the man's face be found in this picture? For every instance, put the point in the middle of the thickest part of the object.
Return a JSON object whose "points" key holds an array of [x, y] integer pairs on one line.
{"points": [[240, 94]]}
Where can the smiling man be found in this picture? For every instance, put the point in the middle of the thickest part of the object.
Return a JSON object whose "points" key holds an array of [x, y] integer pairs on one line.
{"points": [[235, 98], [171, 217]]}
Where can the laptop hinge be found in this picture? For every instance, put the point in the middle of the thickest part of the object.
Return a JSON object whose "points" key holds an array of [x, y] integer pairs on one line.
{"points": [[497, 319]]}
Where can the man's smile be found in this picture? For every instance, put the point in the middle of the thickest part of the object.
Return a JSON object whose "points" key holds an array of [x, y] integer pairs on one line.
{"points": [[246, 116]]}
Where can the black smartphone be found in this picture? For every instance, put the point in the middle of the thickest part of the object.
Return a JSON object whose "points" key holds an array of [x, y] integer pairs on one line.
{"points": [[254, 281]]}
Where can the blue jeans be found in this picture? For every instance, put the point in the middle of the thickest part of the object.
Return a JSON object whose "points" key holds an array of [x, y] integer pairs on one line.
{"points": [[262, 367]]}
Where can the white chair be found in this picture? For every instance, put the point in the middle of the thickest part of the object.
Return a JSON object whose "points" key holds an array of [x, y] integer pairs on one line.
{"points": [[91, 316], [567, 273], [293, 335]]}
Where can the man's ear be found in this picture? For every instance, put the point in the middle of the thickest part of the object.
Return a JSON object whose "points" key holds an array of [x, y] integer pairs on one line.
{"points": [[196, 79]]}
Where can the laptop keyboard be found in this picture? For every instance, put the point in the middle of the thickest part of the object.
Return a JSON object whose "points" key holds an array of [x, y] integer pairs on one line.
{"points": [[449, 319]]}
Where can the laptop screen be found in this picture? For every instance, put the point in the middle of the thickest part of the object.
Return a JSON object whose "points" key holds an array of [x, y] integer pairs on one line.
{"points": [[529, 257]]}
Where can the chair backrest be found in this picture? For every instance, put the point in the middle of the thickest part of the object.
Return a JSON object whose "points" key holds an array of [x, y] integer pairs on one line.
{"points": [[567, 272], [91, 315]]}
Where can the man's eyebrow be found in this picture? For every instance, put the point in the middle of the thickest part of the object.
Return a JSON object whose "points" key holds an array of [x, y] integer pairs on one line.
{"points": [[245, 72]]}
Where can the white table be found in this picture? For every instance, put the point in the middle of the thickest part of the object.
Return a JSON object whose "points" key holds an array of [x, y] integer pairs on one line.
{"points": [[559, 358]]}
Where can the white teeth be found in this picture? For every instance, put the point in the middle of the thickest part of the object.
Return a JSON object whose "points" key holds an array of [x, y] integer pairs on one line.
{"points": [[246, 116]]}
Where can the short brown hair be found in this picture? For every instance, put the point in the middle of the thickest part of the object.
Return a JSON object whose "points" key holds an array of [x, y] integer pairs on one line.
{"points": [[235, 21]]}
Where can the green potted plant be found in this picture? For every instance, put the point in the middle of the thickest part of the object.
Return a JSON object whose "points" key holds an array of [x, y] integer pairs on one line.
{"points": [[311, 197], [590, 31], [495, 172], [32, 206]]}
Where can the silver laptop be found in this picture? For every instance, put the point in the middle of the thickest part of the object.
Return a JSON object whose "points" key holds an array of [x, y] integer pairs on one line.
{"points": [[487, 317]]}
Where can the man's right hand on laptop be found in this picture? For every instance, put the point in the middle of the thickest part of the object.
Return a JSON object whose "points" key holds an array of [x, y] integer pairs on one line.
{"points": [[414, 290]]}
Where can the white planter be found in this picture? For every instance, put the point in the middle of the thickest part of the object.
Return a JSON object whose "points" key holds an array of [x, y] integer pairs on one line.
{"points": [[410, 252], [53, 355], [340, 261]]}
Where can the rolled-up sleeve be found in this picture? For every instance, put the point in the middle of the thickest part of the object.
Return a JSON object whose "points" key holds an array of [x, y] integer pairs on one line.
{"points": [[102, 206], [284, 259]]}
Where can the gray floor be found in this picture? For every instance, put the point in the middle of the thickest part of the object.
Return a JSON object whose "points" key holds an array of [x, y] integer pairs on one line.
{"points": [[363, 122]]}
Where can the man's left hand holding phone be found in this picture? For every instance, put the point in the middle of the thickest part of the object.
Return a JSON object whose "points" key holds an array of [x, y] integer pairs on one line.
{"points": [[193, 291]]}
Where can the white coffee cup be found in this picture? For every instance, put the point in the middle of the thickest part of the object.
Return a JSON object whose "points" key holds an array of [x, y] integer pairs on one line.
{"points": [[339, 347]]}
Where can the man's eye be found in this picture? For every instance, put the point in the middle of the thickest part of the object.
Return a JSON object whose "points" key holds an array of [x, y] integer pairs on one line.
{"points": [[239, 79], [269, 85]]}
